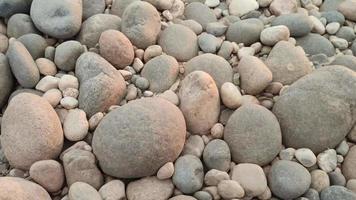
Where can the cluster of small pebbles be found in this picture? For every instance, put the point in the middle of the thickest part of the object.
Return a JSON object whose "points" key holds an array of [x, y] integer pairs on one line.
{"points": [[177, 99]]}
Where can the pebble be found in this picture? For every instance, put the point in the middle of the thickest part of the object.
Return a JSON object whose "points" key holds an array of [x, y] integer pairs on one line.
{"points": [[8, 7], [272, 35], [337, 192], [217, 131], [337, 178], [212, 3], [68, 81], [20, 188], [208, 43], [312, 194], [35, 44], [245, 31], [318, 26], [216, 28], [346, 33], [92, 7], [48, 173], [113, 190], [199, 12], [151, 52], [53, 96], [319, 180], [194, 145], [202, 195], [332, 28], [20, 24], [281, 7], [7, 82], [95, 120], [348, 9], [342, 148], [150, 188], [75, 125], [166, 171], [230, 189], [339, 43], [69, 103], [242, 7], [287, 154], [189, 174], [327, 160], [351, 185], [46, 67], [66, 55], [70, 92], [348, 169], [251, 177], [316, 44], [213, 177], [193, 25], [217, 155], [230, 95], [298, 24], [47, 83], [306, 157], [83, 191]]}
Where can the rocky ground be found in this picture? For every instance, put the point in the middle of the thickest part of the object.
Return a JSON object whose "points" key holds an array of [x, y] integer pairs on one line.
{"points": [[177, 99]]}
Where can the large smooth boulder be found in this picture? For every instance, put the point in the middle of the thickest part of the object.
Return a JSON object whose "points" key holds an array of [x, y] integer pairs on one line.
{"points": [[316, 44], [141, 23], [199, 102], [57, 18], [138, 138], [317, 111], [101, 85], [6, 80], [21, 189], [30, 131], [253, 135]]}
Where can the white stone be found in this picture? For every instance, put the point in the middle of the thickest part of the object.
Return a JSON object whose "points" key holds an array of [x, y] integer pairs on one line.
{"points": [[71, 92], [318, 27], [242, 7], [339, 43], [327, 160], [113, 190], [230, 95], [69, 102], [95, 119], [217, 131], [229, 189], [213, 177], [212, 3], [271, 35], [53, 96], [46, 67], [47, 83], [332, 28], [342, 148], [75, 126], [306, 157], [166, 171], [68, 81]]}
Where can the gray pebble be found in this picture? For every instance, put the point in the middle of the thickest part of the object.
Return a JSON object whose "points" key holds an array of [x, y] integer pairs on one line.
{"points": [[194, 145], [20, 24], [35, 44], [208, 43], [217, 155]]}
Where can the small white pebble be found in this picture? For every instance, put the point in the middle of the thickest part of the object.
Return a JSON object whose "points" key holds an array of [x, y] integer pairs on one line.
{"points": [[68, 81], [217, 131], [95, 120], [47, 83], [69, 102], [166, 171], [53, 96]]}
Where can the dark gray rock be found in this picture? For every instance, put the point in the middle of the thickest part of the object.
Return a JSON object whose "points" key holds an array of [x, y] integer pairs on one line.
{"points": [[125, 142], [298, 24], [161, 72], [314, 111], [333, 16], [22, 65], [217, 67], [93, 27], [141, 23], [348, 61], [337, 178], [246, 31], [101, 85], [67, 53], [188, 174], [92, 7], [199, 12], [316, 44], [244, 137], [346, 33], [217, 155], [11, 7], [288, 179], [20, 24], [179, 41], [35, 44], [6, 80], [57, 18], [337, 192], [287, 63]]}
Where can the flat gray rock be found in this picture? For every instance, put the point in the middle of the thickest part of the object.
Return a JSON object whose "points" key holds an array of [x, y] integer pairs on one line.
{"points": [[298, 24], [245, 31], [199, 12]]}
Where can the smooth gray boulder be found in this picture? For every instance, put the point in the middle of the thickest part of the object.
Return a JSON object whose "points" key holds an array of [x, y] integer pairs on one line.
{"points": [[298, 24], [20, 24], [200, 13], [316, 44], [246, 31]]}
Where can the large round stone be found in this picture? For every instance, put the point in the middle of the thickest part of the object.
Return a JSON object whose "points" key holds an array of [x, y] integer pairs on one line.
{"points": [[316, 44], [141, 23], [138, 138], [92, 7], [21, 189], [179, 41], [253, 135], [316, 112], [57, 18], [288, 179], [20, 24], [6, 80], [199, 102], [118, 6], [298, 24], [217, 67], [246, 31], [30, 131], [35, 44], [200, 13]]}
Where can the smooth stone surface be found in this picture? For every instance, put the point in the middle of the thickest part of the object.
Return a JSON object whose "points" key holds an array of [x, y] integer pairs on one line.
{"points": [[10, 7], [199, 102], [20, 24], [281, 7], [75, 126], [305, 156], [200, 13], [298, 24], [287, 63], [230, 95], [93, 27], [245, 31], [30, 118], [230, 189], [333, 16], [92, 7], [185, 49], [324, 93], [288, 180], [21, 189], [135, 123], [213, 177], [255, 76], [22, 65], [218, 68], [245, 142], [319, 180], [316, 44], [58, 18], [66, 54], [189, 174], [161, 72], [166, 171], [141, 24], [150, 188], [217, 155], [348, 167], [348, 61], [251, 177], [6, 80], [113, 190], [35, 44], [83, 191], [194, 145], [348, 9], [182, 197], [242, 7], [337, 192], [116, 48], [49, 174]]}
